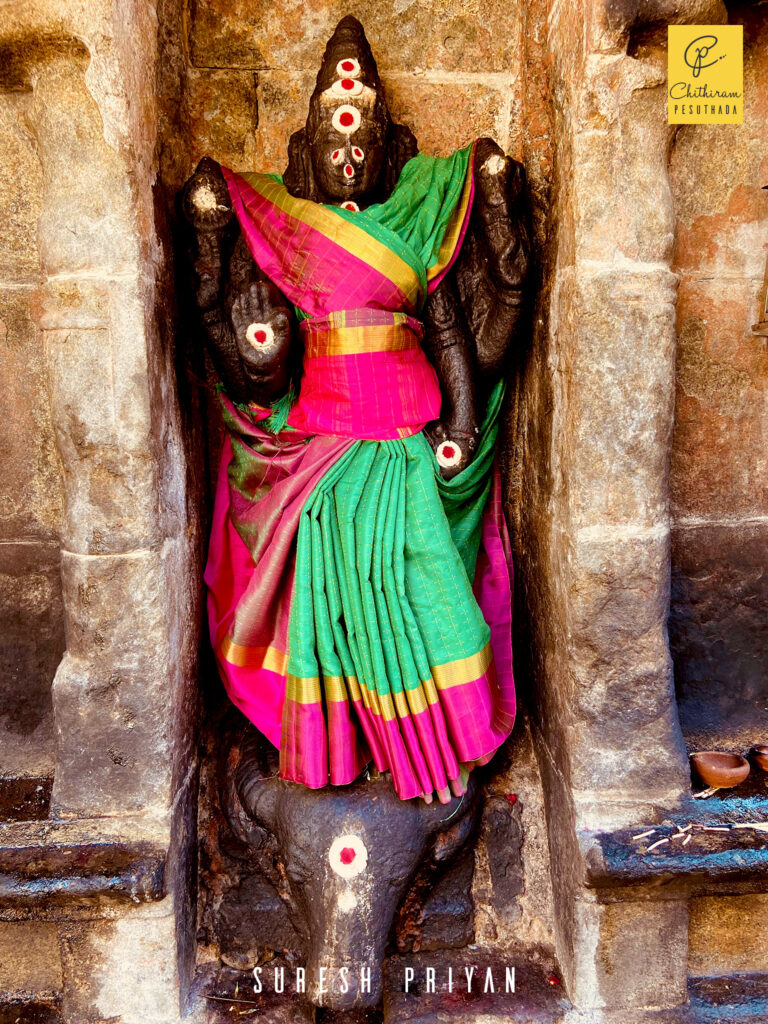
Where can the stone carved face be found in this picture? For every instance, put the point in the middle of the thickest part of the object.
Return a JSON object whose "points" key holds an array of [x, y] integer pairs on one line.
{"points": [[347, 165], [350, 150]]}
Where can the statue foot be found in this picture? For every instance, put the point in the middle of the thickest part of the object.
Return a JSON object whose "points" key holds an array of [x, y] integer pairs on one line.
{"points": [[459, 786], [455, 787]]}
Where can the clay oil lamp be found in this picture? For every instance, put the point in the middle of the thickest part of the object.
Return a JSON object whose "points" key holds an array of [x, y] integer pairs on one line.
{"points": [[760, 755], [719, 770]]}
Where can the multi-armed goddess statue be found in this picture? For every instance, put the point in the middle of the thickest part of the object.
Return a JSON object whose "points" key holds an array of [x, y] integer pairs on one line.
{"points": [[359, 310]]}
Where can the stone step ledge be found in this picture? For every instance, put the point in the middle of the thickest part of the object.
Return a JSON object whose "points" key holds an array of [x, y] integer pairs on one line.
{"points": [[88, 862], [725, 854]]}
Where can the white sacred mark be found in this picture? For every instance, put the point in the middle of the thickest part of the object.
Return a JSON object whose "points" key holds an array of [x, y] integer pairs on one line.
{"points": [[448, 454], [205, 199], [259, 335], [348, 68], [346, 119], [495, 164], [346, 87], [348, 856], [347, 902]]}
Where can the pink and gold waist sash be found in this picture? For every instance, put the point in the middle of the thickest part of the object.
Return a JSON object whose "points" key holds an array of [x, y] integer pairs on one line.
{"points": [[365, 376]]}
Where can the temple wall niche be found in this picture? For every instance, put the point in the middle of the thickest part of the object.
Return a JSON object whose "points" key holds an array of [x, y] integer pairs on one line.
{"points": [[452, 72], [719, 470], [105, 108]]}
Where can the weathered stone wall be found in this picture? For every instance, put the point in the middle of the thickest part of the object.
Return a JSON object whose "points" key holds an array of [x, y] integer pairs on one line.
{"points": [[719, 473], [592, 489], [98, 487], [452, 72], [31, 499], [719, 476]]}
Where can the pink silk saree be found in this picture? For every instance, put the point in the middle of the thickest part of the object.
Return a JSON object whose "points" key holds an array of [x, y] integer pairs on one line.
{"points": [[359, 605]]}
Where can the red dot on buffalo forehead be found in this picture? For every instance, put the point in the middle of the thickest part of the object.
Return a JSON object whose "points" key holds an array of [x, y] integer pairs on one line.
{"points": [[346, 119]]}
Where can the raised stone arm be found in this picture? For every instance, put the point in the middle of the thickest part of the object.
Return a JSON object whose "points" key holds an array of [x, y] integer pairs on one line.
{"points": [[246, 321], [493, 269], [449, 345], [473, 316], [492, 273]]}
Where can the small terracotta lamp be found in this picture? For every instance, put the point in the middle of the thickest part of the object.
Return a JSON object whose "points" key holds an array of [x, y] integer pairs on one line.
{"points": [[760, 756], [761, 329], [719, 770]]}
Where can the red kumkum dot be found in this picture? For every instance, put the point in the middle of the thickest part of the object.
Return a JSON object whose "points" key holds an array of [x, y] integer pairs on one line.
{"points": [[347, 83], [261, 337], [349, 170], [448, 452], [512, 797], [346, 119], [347, 65], [347, 855]]}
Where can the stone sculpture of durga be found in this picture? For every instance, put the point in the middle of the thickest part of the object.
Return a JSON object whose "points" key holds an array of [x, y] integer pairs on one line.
{"points": [[359, 310]]}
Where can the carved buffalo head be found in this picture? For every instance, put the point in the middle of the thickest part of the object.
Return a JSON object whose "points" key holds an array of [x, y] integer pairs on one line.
{"points": [[349, 855]]}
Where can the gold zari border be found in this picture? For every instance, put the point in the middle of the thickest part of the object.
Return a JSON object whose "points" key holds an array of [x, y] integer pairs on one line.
{"points": [[347, 341], [309, 690], [453, 231], [244, 656], [341, 232]]}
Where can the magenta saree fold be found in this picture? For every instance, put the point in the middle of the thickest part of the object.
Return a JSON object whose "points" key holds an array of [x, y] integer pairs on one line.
{"points": [[360, 606]]}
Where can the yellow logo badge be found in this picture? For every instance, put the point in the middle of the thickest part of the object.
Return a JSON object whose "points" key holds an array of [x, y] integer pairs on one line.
{"points": [[705, 74]]}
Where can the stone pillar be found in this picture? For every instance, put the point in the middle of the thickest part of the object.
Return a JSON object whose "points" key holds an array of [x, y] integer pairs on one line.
{"points": [[595, 426], [125, 693]]}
